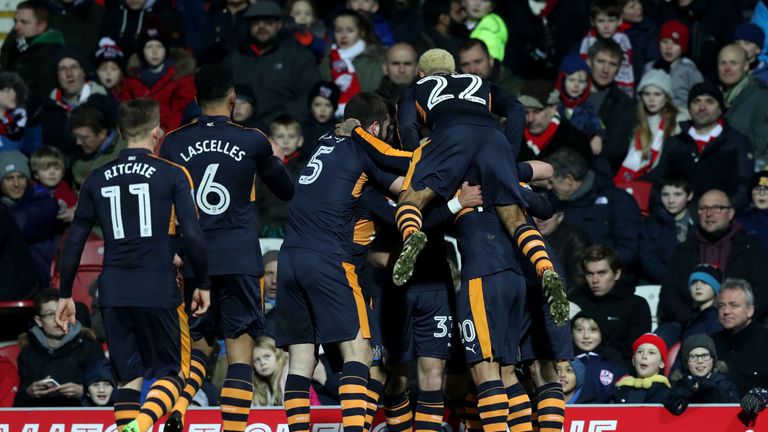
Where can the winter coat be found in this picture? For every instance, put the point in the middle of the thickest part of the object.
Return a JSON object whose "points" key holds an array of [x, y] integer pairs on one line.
{"points": [[569, 243], [658, 241], [80, 21], [706, 321], [223, 29], [745, 353], [745, 260], [657, 394], [754, 223], [644, 37], [281, 77], [609, 216], [760, 17], [312, 131], [65, 363], [618, 114], [125, 26], [367, 67], [748, 114], [584, 118], [84, 164], [33, 61], [18, 278], [600, 377], [726, 163], [621, 315], [715, 388], [760, 71]]}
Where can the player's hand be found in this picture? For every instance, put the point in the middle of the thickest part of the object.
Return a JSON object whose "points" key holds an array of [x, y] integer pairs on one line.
{"points": [[470, 196], [201, 300], [345, 128], [597, 144], [277, 150], [65, 313], [177, 261]]}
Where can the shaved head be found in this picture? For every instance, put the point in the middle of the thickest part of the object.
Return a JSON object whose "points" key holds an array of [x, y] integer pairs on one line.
{"points": [[732, 65], [400, 66]]}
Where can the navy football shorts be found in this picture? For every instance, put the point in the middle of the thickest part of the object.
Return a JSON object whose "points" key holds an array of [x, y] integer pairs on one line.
{"points": [[543, 339], [147, 342], [489, 311], [319, 299], [235, 308]]}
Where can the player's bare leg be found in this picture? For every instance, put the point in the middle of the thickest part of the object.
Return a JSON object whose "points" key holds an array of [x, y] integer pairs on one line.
{"points": [[201, 350], [300, 369], [409, 220], [531, 243], [357, 356], [519, 417]]}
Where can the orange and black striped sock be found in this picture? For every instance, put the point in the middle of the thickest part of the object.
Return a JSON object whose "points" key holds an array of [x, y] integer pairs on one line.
{"points": [[531, 243], [471, 418], [397, 410], [493, 406], [550, 403], [197, 373], [160, 398], [236, 397], [429, 411], [408, 219], [127, 406], [519, 417], [352, 392], [375, 388], [296, 402]]}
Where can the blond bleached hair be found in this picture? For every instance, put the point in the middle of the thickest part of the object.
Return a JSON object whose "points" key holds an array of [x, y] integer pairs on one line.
{"points": [[436, 60]]}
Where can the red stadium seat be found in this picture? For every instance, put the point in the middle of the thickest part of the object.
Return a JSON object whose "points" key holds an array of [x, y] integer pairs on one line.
{"points": [[10, 350], [641, 191], [90, 267], [671, 357]]}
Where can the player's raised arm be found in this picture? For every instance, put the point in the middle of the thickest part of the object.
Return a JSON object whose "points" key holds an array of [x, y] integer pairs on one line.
{"points": [[383, 154], [506, 105], [273, 172], [408, 120]]}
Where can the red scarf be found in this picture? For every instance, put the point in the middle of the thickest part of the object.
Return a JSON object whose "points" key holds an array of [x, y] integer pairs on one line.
{"points": [[702, 141], [568, 101], [288, 158], [342, 72], [537, 143], [635, 165]]}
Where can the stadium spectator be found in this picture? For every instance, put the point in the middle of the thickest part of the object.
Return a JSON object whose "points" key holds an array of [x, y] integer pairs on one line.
{"points": [[572, 375], [127, 20], [380, 25], [708, 151], [642, 32], [443, 27], [608, 296], [754, 221], [18, 276], [79, 21], [225, 26], [702, 379], [53, 364], [323, 99], [13, 114], [270, 369], [721, 243], [673, 46], [277, 68], [604, 365], [97, 138], [574, 87], [245, 108], [474, 58], [568, 243], [307, 27], [399, 71], [609, 215], [487, 26], [98, 384], [648, 386], [744, 96], [614, 107], [110, 65], [48, 168], [752, 38], [743, 343]]}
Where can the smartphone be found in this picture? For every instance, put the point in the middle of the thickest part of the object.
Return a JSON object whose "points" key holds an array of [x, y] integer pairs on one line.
{"points": [[51, 382]]}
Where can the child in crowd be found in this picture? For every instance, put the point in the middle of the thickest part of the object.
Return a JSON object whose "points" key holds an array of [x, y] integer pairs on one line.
{"points": [[573, 84], [47, 165], [309, 30], [370, 9], [754, 221], [643, 34], [245, 106], [752, 38], [606, 19], [323, 101], [98, 384], [673, 45], [110, 64], [169, 82], [571, 378], [657, 119], [354, 63], [702, 378], [13, 116], [487, 26], [270, 367], [603, 365], [649, 386], [704, 283], [670, 224]]}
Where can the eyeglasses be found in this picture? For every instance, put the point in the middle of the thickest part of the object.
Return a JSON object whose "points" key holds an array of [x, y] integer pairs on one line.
{"points": [[697, 357], [48, 315], [760, 190], [713, 209]]}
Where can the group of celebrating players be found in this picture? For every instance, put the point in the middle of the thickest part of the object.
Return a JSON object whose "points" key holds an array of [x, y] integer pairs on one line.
{"points": [[509, 311]]}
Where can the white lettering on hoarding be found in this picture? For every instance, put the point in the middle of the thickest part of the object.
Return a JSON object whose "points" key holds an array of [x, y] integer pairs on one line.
{"points": [[594, 426], [258, 427], [85, 427], [205, 427], [30, 428], [325, 427]]}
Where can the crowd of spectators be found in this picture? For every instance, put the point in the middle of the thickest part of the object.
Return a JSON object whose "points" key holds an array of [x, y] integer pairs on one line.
{"points": [[652, 114]]}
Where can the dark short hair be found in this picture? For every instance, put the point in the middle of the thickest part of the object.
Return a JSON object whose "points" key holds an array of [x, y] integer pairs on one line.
{"points": [[676, 180], [609, 46], [90, 116], [213, 81], [597, 253], [13, 80], [566, 161], [286, 120], [612, 8], [368, 108], [43, 297], [39, 9], [137, 118], [473, 42]]}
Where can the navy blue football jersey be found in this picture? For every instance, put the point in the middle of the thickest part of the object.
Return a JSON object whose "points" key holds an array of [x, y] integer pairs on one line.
{"points": [[136, 200], [223, 159]]}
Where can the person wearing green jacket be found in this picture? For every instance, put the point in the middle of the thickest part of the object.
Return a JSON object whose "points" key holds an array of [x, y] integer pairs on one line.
{"points": [[487, 26]]}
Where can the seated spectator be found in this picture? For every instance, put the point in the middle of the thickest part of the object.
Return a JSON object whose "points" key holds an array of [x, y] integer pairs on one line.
{"points": [[97, 138], [605, 17], [245, 108], [354, 62], [649, 385], [400, 69], [34, 213], [643, 34], [603, 365], [545, 131], [670, 224], [53, 364], [474, 58], [99, 382], [572, 375], [270, 280], [657, 120], [270, 369], [610, 300], [309, 29], [708, 151], [702, 379], [720, 243], [752, 38], [744, 97], [754, 221], [19, 279], [380, 26], [9, 382], [168, 81], [13, 114], [574, 105], [569, 243], [323, 102], [673, 46], [743, 343], [80, 22], [589, 200], [110, 65], [487, 26], [47, 165]]}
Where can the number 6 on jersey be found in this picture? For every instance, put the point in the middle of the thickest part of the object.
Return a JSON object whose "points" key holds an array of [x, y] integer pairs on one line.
{"points": [[207, 187]]}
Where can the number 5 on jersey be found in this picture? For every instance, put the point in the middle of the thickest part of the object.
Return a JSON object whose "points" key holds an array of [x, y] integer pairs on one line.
{"points": [[316, 165]]}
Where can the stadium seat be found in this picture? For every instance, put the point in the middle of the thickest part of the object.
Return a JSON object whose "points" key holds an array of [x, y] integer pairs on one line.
{"points": [[16, 317], [641, 191], [672, 353], [90, 267], [10, 350], [651, 294]]}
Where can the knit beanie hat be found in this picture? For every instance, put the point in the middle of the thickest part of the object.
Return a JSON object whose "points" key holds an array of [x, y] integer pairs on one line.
{"points": [[750, 32], [699, 340], [677, 31], [98, 371], [657, 78], [580, 370], [760, 178], [245, 92], [709, 89], [650, 338], [152, 34], [109, 50], [14, 161], [708, 274], [573, 63], [327, 90], [75, 53]]}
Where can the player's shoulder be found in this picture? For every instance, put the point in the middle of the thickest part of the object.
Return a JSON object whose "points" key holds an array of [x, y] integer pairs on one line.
{"points": [[181, 130], [167, 166]]}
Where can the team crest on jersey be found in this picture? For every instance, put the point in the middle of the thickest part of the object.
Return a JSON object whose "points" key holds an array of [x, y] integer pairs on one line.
{"points": [[606, 377]]}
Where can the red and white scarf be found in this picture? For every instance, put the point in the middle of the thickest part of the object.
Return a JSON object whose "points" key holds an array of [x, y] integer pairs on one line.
{"points": [[625, 78], [343, 72], [537, 143], [703, 140], [58, 97], [635, 165]]}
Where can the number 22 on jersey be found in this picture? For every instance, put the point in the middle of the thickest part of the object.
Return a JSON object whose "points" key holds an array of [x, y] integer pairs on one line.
{"points": [[468, 94]]}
